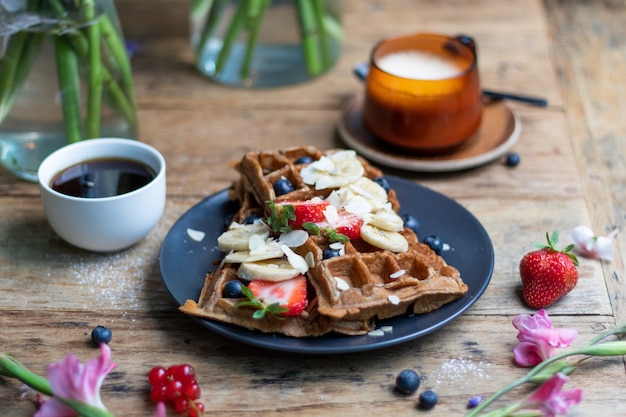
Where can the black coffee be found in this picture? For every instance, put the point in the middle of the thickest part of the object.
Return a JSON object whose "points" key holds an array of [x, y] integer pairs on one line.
{"points": [[98, 178]]}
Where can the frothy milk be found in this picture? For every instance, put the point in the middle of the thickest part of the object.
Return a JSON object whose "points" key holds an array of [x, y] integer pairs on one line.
{"points": [[418, 65]]}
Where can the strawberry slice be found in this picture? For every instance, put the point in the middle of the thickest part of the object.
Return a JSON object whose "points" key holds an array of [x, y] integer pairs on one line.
{"points": [[289, 294], [303, 211], [344, 223]]}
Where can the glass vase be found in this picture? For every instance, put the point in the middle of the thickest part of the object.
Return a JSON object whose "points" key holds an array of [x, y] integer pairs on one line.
{"points": [[265, 43], [65, 76]]}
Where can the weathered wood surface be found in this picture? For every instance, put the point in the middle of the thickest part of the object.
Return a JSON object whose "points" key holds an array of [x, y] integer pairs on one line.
{"points": [[572, 172]]}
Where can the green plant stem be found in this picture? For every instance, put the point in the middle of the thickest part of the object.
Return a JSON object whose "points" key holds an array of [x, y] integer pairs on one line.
{"points": [[94, 78], [324, 44], [214, 10], [255, 13], [116, 47], [80, 43], [22, 49], [309, 36], [231, 35], [68, 74], [12, 368]]}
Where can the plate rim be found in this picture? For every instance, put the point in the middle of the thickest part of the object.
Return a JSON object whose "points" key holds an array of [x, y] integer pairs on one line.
{"points": [[302, 345]]}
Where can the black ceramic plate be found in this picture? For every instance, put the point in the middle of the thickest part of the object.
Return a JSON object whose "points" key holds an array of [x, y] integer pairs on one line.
{"points": [[184, 263]]}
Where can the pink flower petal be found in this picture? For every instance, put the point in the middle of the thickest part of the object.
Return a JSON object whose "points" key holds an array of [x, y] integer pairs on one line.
{"points": [[551, 400], [538, 338], [591, 246], [72, 380]]}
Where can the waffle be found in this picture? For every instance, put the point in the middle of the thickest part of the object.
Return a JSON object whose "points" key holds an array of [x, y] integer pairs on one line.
{"points": [[347, 293]]}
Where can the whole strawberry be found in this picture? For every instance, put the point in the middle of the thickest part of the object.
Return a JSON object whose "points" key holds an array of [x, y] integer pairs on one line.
{"points": [[548, 274]]}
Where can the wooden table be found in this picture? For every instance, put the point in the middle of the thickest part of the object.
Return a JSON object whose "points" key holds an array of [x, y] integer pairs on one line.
{"points": [[572, 172]]}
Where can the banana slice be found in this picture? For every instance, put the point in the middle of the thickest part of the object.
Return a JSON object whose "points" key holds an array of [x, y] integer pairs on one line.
{"points": [[385, 219], [369, 190], [269, 270], [238, 236], [333, 170], [260, 252], [384, 239]]}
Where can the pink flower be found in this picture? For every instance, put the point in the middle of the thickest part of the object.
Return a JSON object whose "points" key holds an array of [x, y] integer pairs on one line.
{"points": [[538, 339], [71, 380], [596, 247], [550, 400]]}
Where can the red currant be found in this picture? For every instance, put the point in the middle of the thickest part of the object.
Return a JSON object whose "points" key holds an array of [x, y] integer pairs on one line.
{"points": [[192, 390], [157, 393], [157, 375], [184, 373], [173, 389], [196, 409], [181, 404]]}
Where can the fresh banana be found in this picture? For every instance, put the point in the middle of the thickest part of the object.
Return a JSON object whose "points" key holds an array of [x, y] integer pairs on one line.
{"points": [[386, 219], [269, 249], [333, 170], [269, 270], [384, 239], [237, 237]]}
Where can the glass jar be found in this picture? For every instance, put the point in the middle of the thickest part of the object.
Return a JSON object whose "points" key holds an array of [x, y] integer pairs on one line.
{"points": [[54, 88], [265, 43]]}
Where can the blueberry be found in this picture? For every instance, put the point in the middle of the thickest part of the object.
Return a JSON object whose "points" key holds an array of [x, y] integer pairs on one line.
{"points": [[232, 289], [407, 381], [428, 399], [435, 243], [382, 181], [250, 218], [411, 222], [306, 159], [328, 253], [283, 186], [101, 334], [512, 159], [474, 401]]}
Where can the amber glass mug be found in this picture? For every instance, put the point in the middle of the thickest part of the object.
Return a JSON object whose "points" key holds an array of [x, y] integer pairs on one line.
{"points": [[423, 92]]}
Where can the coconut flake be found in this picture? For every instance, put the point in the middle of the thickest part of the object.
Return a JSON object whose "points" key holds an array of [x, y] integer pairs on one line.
{"points": [[387, 329], [393, 299], [375, 333], [196, 235], [331, 215], [294, 239], [310, 259], [358, 205], [397, 274], [341, 284], [257, 244], [295, 260]]}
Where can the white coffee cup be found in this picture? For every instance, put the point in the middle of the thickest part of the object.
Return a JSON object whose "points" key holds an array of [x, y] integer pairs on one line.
{"points": [[104, 224]]}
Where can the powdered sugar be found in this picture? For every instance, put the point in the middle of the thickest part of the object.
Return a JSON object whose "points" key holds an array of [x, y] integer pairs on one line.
{"points": [[460, 372]]}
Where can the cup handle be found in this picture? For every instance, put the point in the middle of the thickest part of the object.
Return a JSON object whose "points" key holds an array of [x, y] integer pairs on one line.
{"points": [[361, 70]]}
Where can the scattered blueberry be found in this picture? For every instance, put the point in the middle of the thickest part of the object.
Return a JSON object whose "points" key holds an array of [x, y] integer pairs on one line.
{"points": [[474, 401], [232, 289], [407, 381], [306, 159], [512, 159], [283, 186], [435, 243], [328, 253], [101, 334], [411, 222], [250, 218], [382, 181], [428, 399]]}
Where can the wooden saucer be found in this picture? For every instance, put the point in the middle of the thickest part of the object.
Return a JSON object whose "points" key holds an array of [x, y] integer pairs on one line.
{"points": [[499, 130]]}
